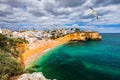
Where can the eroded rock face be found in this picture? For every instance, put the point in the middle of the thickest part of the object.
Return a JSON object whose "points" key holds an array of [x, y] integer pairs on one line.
{"points": [[33, 76], [83, 36], [22, 48], [95, 36]]}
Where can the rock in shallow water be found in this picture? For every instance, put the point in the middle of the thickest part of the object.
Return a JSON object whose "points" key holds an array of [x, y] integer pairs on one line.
{"points": [[33, 76]]}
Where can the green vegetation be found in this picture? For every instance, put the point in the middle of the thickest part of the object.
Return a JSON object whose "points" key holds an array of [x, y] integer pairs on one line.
{"points": [[9, 65], [77, 30], [56, 34], [9, 44]]}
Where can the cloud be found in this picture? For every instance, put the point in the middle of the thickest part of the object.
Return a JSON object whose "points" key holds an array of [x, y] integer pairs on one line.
{"points": [[37, 13], [13, 3], [70, 3], [108, 2], [5, 13], [5, 10], [58, 12]]}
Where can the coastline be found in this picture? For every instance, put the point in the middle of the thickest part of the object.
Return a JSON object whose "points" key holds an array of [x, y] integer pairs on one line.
{"points": [[45, 45], [42, 57], [29, 56]]}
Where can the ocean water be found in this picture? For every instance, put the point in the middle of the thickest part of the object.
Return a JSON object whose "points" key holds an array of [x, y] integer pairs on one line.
{"points": [[91, 60]]}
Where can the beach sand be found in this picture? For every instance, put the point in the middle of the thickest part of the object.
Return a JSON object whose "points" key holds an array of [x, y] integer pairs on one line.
{"points": [[38, 48]]}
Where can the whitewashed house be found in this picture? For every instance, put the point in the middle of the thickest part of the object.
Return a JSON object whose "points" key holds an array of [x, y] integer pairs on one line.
{"points": [[0, 30]]}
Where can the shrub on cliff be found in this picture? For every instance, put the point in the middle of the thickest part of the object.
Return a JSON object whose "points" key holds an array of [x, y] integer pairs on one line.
{"points": [[9, 44], [8, 66]]}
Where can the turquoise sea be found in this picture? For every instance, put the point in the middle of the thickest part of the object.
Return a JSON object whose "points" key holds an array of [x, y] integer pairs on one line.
{"points": [[90, 60]]}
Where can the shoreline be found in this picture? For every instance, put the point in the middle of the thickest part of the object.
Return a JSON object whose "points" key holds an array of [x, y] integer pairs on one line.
{"points": [[45, 45], [42, 56], [29, 56]]}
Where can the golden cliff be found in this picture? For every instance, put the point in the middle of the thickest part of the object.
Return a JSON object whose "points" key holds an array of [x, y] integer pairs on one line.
{"points": [[22, 47], [30, 55], [81, 36]]}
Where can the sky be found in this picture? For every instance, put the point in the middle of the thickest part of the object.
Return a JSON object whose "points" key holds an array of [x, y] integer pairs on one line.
{"points": [[47, 14]]}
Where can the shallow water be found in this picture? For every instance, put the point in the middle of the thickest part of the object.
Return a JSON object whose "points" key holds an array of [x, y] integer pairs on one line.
{"points": [[91, 60]]}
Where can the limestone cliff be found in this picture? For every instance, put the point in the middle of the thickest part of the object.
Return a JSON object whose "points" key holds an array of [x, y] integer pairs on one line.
{"points": [[81, 36], [22, 47]]}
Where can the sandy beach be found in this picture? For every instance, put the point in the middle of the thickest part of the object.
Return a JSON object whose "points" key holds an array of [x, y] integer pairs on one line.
{"points": [[38, 48]]}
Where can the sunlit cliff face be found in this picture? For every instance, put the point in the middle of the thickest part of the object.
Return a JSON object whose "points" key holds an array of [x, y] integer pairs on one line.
{"points": [[83, 36]]}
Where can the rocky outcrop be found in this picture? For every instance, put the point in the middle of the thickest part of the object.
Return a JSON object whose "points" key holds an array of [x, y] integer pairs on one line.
{"points": [[93, 36], [22, 48], [33, 76], [81, 36]]}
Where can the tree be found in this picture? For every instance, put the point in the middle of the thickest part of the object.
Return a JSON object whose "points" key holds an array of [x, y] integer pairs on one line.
{"points": [[77, 30]]}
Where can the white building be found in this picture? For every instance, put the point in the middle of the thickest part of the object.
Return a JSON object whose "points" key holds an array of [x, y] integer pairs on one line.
{"points": [[0, 30], [15, 34]]}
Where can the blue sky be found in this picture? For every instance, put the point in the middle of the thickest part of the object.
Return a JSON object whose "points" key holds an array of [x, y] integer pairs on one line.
{"points": [[47, 14], [102, 28]]}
